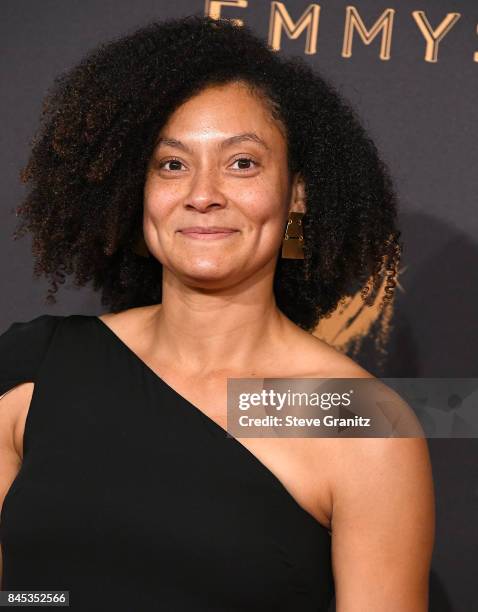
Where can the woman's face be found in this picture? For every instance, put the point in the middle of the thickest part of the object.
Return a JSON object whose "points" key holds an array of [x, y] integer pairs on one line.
{"points": [[220, 161]]}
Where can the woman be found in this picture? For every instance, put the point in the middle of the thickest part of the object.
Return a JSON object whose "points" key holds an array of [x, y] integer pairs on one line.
{"points": [[171, 167]]}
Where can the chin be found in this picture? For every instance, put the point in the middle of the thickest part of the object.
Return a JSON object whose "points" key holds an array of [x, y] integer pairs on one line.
{"points": [[207, 275]]}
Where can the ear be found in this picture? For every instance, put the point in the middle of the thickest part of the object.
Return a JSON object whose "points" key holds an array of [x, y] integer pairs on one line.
{"points": [[297, 197]]}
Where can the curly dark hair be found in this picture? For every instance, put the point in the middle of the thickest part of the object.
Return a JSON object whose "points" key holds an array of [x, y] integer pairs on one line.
{"points": [[98, 127]]}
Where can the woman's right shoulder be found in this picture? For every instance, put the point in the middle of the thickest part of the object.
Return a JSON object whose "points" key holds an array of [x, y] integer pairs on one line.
{"points": [[23, 345], [36, 326]]}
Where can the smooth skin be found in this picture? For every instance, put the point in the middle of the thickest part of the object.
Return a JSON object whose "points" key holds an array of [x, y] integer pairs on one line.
{"points": [[219, 319]]}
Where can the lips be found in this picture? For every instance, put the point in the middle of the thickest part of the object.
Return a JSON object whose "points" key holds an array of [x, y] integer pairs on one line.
{"points": [[207, 230], [210, 234]]}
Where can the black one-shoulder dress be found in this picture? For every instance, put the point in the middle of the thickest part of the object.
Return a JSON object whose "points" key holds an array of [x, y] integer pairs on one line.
{"points": [[131, 498]]}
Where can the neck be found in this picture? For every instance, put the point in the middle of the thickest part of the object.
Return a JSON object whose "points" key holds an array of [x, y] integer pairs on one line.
{"points": [[210, 331]]}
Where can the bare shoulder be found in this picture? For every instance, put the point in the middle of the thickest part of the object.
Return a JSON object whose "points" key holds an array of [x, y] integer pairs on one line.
{"points": [[341, 365], [327, 360], [380, 505]]}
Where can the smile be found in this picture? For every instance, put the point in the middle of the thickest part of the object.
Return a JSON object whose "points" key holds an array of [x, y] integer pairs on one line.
{"points": [[208, 235]]}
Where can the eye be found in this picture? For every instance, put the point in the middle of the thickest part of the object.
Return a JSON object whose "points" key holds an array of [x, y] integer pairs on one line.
{"points": [[177, 162], [247, 160], [173, 160]]}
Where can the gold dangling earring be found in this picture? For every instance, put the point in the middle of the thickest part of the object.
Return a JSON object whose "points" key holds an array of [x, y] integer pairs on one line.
{"points": [[293, 243]]}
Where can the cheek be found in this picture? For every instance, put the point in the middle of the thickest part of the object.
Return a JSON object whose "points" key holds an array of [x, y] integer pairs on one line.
{"points": [[155, 202], [149, 197], [262, 204], [271, 220], [267, 227]]}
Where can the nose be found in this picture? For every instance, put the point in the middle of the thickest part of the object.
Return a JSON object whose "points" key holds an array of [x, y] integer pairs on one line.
{"points": [[205, 192]]}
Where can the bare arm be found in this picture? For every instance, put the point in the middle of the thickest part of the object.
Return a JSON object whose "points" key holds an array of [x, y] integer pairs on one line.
{"points": [[383, 524], [12, 404]]}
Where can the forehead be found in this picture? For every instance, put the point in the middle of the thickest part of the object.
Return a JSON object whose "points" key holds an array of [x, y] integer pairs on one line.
{"points": [[221, 111]]}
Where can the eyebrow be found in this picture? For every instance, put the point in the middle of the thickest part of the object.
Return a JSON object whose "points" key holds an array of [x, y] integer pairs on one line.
{"points": [[244, 137]]}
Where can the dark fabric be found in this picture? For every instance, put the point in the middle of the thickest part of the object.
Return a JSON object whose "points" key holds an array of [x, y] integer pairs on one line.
{"points": [[22, 348], [133, 499]]}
